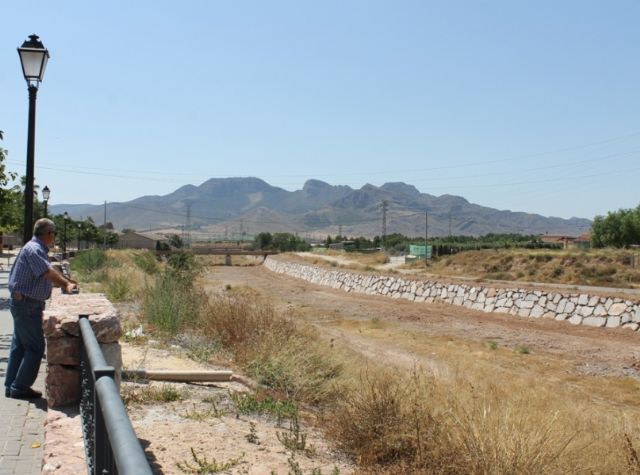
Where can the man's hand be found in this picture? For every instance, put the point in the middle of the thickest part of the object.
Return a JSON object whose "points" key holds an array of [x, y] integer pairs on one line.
{"points": [[70, 286]]}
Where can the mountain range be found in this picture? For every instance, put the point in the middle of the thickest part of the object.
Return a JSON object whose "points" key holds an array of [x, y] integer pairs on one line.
{"points": [[245, 206]]}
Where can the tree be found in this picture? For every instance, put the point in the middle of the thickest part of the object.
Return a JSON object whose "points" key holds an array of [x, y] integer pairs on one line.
{"points": [[10, 198], [175, 241], [263, 241], [618, 229]]}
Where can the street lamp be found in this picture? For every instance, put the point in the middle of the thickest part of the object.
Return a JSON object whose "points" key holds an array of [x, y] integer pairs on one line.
{"points": [[46, 193], [64, 235], [33, 57]]}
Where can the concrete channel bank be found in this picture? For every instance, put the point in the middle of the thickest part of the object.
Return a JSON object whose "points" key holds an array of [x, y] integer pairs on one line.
{"points": [[575, 307]]}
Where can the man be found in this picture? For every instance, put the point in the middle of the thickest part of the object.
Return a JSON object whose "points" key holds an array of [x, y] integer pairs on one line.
{"points": [[30, 283]]}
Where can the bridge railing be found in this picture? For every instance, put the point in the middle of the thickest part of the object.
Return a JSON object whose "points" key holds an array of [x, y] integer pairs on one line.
{"points": [[111, 444]]}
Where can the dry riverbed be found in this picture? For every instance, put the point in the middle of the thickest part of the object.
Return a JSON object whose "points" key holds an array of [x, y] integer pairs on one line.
{"points": [[596, 366]]}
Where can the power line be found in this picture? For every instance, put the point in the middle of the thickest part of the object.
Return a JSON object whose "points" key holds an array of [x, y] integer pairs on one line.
{"points": [[144, 174]]}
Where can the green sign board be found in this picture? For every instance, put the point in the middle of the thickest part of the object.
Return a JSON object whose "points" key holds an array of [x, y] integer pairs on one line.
{"points": [[420, 251]]}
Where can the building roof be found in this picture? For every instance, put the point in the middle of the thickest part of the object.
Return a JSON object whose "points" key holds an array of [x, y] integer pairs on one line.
{"points": [[148, 235], [556, 238]]}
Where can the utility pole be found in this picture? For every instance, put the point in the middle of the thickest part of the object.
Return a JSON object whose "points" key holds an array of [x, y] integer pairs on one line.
{"points": [[104, 228], [426, 234], [450, 245], [385, 205], [188, 233], [242, 229], [340, 231]]}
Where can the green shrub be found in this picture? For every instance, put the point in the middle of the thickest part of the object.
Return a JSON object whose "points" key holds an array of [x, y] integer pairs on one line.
{"points": [[171, 302], [146, 261], [89, 261], [182, 262]]}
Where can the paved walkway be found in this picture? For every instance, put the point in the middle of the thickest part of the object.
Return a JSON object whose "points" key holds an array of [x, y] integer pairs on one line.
{"points": [[21, 422]]}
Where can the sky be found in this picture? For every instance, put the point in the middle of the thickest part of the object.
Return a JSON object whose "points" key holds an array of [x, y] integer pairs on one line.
{"points": [[530, 105]]}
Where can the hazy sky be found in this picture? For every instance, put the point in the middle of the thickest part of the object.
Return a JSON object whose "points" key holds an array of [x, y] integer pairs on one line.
{"points": [[523, 105]]}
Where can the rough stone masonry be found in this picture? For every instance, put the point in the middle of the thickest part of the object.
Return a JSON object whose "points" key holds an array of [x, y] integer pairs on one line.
{"points": [[62, 333], [576, 308]]}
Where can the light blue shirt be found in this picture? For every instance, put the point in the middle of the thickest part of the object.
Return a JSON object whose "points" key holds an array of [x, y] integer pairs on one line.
{"points": [[27, 273]]}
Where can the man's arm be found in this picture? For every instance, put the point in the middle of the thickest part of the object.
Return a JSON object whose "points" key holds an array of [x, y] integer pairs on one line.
{"points": [[59, 280]]}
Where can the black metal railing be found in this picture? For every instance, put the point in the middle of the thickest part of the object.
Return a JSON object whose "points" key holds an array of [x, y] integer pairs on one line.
{"points": [[111, 444]]}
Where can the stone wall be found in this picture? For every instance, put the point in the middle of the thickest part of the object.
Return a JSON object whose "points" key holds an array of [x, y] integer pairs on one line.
{"points": [[62, 333], [576, 308]]}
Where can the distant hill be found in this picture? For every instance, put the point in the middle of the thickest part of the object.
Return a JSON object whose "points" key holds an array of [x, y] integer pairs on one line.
{"points": [[250, 205]]}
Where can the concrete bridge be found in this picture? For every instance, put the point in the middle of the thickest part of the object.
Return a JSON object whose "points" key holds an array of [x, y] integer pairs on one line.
{"points": [[223, 251]]}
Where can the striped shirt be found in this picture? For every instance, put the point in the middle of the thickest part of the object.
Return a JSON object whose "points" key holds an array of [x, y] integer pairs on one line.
{"points": [[27, 273]]}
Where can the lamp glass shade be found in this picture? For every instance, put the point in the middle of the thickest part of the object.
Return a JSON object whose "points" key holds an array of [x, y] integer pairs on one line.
{"points": [[66, 216], [46, 192], [33, 57]]}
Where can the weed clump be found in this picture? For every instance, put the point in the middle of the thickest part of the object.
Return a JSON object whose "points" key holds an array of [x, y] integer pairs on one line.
{"points": [[172, 302], [146, 261], [149, 394], [273, 350]]}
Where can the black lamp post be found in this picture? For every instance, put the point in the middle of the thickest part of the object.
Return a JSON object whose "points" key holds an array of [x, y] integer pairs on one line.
{"points": [[64, 236], [33, 57], [46, 193]]}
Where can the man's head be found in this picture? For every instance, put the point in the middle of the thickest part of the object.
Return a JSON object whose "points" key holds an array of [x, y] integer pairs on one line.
{"points": [[45, 230]]}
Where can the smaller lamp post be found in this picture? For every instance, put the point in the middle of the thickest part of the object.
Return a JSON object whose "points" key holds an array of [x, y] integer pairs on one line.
{"points": [[64, 236], [46, 193]]}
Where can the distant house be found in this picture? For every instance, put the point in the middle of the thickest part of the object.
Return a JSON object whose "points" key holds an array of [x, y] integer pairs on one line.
{"points": [[9, 241], [559, 239], [568, 242], [582, 242], [151, 241]]}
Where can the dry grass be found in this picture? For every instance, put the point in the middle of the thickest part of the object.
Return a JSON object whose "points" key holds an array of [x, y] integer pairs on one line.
{"points": [[272, 348], [607, 267], [412, 422], [120, 276], [482, 413]]}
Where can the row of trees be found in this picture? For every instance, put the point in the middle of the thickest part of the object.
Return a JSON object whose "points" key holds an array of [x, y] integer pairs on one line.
{"points": [[283, 242], [400, 243], [617, 229]]}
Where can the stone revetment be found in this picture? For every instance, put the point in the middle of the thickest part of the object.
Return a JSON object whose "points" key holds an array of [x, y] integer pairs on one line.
{"points": [[576, 308]]}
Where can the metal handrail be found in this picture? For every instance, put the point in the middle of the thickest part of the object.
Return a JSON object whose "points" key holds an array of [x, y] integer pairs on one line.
{"points": [[110, 442]]}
